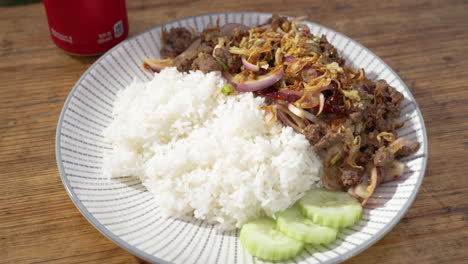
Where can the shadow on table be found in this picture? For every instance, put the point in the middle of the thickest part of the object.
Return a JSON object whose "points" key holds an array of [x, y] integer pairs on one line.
{"points": [[17, 2]]}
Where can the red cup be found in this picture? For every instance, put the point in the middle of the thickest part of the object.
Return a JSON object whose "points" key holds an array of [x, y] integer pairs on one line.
{"points": [[87, 27]]}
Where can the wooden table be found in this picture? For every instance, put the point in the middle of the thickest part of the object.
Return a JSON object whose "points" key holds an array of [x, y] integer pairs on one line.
{"points": [[425, 41]]}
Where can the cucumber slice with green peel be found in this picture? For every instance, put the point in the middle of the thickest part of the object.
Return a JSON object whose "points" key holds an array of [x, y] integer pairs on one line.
{"points": [[329, 208], [261, 239], [293, 224]]}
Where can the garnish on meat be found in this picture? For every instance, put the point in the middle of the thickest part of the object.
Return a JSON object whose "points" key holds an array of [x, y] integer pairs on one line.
{"points": [[348, 118]]}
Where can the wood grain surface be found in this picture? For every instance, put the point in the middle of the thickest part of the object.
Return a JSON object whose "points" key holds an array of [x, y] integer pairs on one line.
{"points": [[425, 41]]}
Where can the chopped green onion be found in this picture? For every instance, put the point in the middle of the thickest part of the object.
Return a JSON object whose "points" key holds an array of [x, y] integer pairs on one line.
{"points": [[225, 67], [335, 158], [227, 89], [200, 54], [386, 150], [317, 38]]}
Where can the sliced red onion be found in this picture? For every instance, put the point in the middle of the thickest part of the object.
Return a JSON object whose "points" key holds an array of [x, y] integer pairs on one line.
{"points": [[398, 144], [297, 111], [322, 103], [372, 185], [291, 92], [249, 66], [330, 179], [227, 29], [304, 29], [152, 66], [305, 114], [365, 189], [269, 117], [190, 48], [297, 19], [361, 189], [156, 65], [326, 87], [262, 82], [287, 122], [288, 58], [393, 172], [281, 96]]}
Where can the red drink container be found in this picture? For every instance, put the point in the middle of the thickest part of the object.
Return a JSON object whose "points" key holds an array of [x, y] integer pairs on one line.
{"points": [[87, 27]]}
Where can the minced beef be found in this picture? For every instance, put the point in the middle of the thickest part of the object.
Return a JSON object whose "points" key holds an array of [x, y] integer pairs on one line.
{"points": [[177, 40], [356, 117], [330, 139], [392, 96], [383, 157], [184, 62], [238, 33], [233, 62], [384, 125], [206, 63], [407, 150], [313, 133], [205, 47], [210, 35], [327, 48], [351, 176], [366, 154], [276, 21]]}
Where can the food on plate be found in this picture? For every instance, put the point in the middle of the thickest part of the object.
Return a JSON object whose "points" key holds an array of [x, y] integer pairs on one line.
{"points": [[231, 128], [204, 154], [350, 120], [261, 238], [292, 223], [325, 213], [330, 208]]}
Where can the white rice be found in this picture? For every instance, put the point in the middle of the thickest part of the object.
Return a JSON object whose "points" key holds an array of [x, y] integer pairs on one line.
{"points": [[204, 154]]}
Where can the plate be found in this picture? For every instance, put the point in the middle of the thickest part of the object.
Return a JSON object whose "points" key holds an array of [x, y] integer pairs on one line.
{"points": [[125, 212]]}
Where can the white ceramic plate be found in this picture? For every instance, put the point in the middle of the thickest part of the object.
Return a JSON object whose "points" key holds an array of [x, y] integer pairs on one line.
{"points": [[125, 212]]}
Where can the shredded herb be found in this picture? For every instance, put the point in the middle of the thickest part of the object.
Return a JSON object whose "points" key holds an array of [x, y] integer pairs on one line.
{"points": [[200, 54], [317, 38], [227, 89], [335, 158], [225, 67], [390, 137]]}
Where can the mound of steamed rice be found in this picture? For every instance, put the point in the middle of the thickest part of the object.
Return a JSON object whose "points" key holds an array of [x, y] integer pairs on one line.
{"points": [[204, 154]]}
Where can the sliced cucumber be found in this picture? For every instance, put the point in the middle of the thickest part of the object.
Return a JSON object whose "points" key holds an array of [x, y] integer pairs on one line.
{"points": [[261, 239], [293, 224], [329, 208]]}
